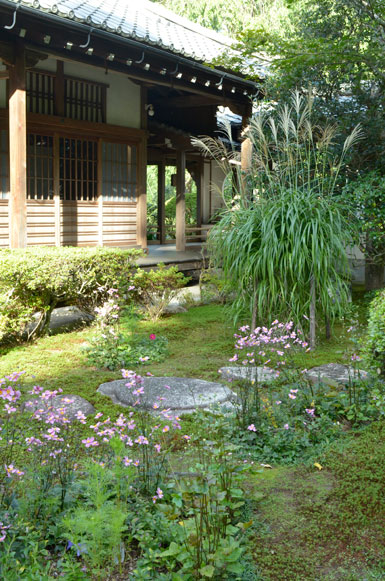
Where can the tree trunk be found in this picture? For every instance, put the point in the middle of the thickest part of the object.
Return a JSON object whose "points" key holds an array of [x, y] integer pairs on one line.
{"points": [[312, 313], [374, 275], [328, 331], [254, 312]]}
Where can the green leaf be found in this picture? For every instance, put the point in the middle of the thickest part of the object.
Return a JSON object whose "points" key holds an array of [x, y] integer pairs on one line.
{"points": [[172, 551], [207, 571]]}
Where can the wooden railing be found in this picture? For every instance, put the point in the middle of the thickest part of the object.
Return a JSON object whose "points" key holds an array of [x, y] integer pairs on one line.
{"points": [[193, 233]]}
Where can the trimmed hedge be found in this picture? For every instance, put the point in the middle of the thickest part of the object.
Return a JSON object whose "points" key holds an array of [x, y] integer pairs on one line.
{"points": [[375, 340], [37, 280]]}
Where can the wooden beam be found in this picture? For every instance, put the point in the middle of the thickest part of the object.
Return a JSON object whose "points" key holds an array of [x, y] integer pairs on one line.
{"points": [[180, 218], [187, 101], [4, 74], [18, 151], [51, 123], [162, 201]]}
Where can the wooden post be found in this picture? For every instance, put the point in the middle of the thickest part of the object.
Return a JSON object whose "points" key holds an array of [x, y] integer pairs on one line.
{"points": [[141, 219], [100, 194], [200, 189], [246, 160], [162, 201], [180, 218], [56, 188], [312, 313], [18, 151]]}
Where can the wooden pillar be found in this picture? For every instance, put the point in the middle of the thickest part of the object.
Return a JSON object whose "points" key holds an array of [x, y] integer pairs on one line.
{"points": [[100, 193], [246, 161], [180, 218], [246, 149], [162, 201], [18, 151], [141, 219], [56, 189], [200, 190]]}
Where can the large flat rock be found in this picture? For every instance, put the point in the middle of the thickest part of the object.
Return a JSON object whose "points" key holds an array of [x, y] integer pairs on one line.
{"points": [[71, 403], [179, 394], [335, 374], [249, 373]]}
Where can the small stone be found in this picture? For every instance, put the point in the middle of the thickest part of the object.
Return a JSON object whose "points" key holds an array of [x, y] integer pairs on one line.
{"points": [[172, 309], [183, 394]]}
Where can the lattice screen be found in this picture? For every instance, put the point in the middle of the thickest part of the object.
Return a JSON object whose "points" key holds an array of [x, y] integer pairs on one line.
{"points": [[84, 101], [119, 172], [39, 167], [40, 93], [78, 169]]}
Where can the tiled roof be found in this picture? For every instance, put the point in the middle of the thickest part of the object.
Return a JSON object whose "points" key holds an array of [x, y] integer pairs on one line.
{"points": [[140, 20]]}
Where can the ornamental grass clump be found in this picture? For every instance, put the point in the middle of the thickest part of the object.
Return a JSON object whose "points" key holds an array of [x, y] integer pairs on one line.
{"points": [[282, 237]]}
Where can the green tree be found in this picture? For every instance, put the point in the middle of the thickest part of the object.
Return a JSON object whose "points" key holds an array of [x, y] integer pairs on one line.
{"points": [[367, 194], [337, 48], [226, 16]]}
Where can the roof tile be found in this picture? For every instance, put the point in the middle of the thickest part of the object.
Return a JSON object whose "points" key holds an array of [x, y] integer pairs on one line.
{"points": [[141, 19]]}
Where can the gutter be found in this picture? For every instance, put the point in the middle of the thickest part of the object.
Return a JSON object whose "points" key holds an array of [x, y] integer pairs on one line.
{"points": [[123, 41]]}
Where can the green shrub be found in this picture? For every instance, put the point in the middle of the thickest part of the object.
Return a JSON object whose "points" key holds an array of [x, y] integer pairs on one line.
{"points": [[37, 280], [214, 287], [374, 350], [155, 289]]}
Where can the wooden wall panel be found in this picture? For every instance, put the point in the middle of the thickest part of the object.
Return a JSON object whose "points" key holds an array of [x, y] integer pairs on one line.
{"points": [[119, 224], [4, 229], [79, 224], [40, 223]]}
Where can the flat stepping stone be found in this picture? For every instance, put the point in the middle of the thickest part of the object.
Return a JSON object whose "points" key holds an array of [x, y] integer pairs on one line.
{"points": [[72, 404], [236, 373], [182, 395], [335, 374]]}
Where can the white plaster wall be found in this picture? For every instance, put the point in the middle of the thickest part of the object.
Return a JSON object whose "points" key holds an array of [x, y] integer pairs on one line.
{"points": [[206, 193], [217, 179], [354, 253], [123, 96]]}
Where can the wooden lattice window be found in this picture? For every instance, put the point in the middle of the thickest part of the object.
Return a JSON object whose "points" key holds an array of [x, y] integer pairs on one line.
{"points": [[78, 169], [119, 172], [40, 92], [85, 100], [39, 167], [4, 164]]}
